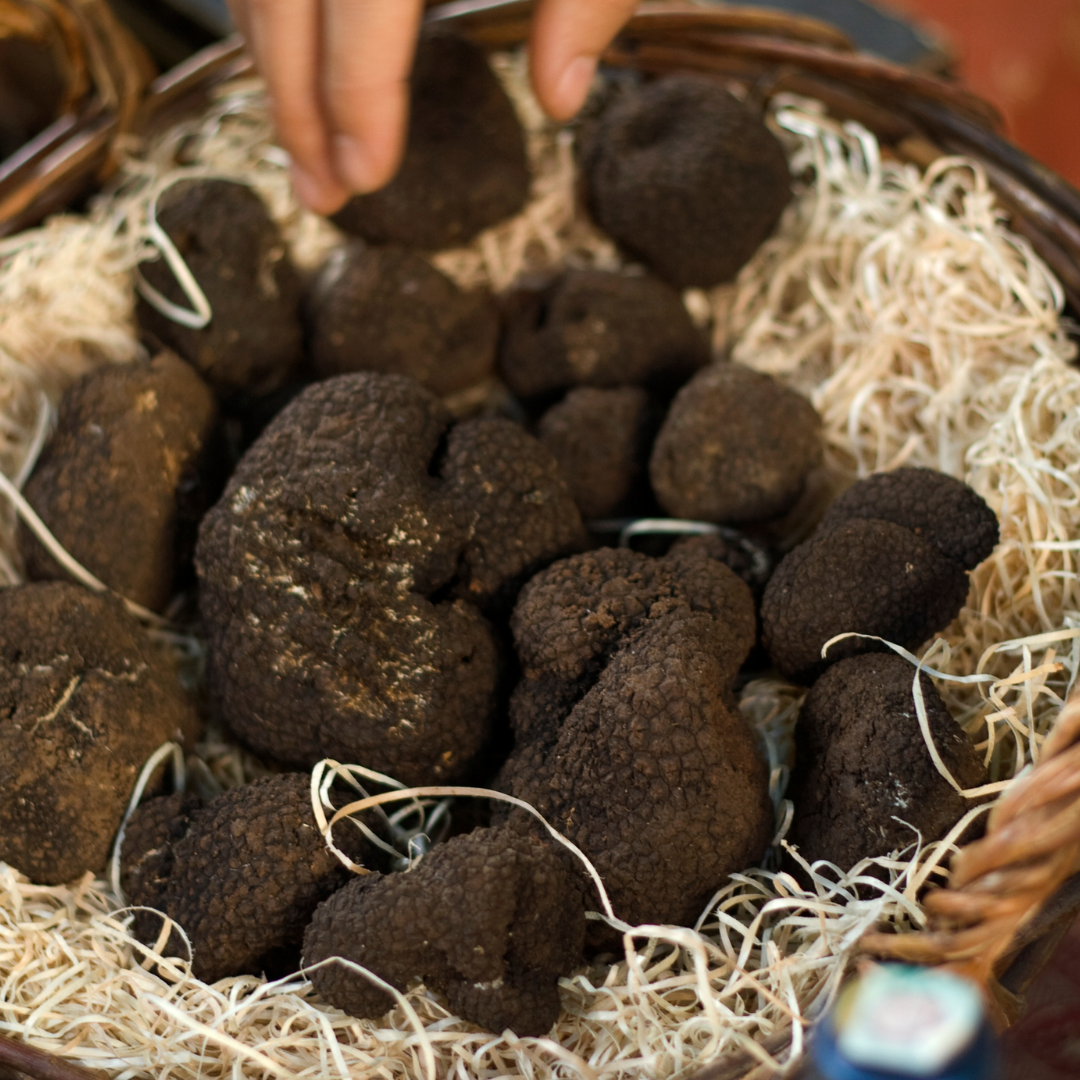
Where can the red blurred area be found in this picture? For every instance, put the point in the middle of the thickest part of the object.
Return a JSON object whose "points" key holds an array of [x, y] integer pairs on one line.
{"points": [[1024, 56]]}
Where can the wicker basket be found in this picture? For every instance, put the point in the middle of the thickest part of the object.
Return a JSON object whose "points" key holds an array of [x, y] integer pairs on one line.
{"points": [[103, 73], [1012, 893]]}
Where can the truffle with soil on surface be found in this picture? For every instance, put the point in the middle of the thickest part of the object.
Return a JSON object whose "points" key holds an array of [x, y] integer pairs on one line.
{"points": [[465, 166], [237, 255], [628, 737], [347, 568], [600, 438], [85, 699], [491, 919], [595, 328], [388, 309], [866, 571], [685, 177], [862, 768], [736, 446], [241, 875], [119, 483]]}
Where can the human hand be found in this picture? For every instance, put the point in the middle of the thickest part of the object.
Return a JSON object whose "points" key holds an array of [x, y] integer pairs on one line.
{"points": [[337, 73]]}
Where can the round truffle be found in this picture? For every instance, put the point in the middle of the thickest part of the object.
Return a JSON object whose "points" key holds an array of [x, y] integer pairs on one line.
{"points": [[119, 482], [933, 505], [748, 559], [237, 255], [600, 438], [345, 569], [685, 177], [85, 699], [241, 875], [491, 919], [863, 777], [594, 328], [465, 165], [876, 575], [628, 738], [388, 309], [736, 446]]}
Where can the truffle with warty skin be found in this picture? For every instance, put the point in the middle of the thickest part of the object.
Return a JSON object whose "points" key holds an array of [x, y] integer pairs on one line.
{"points": [[85, 698], [685, 177], [600, 438], [464, 168], [736, 446], [120, 483], [236, 254], [346, 571], [862, 768], [491, 919], [602, 329], [873, 575], [628, 737], [241, 875], [387, 309]]}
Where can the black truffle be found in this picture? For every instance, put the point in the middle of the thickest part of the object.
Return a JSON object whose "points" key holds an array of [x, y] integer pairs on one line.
{"points": [[491, 919], [465, 165], [685, 177], [593, 328], [119, 483], [387, 309], [85, 699], [344, 571], [872, 575], [736, 446], [862, 768], [628, 736], [238, 257], [242, 875], [600, 438]]}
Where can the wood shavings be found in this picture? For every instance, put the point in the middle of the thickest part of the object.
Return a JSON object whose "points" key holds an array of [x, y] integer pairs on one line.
{"points": [[925, 333]]}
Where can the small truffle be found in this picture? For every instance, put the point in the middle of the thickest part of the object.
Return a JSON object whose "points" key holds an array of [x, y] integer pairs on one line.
{"points": [[685, 177], [345, 570], [628, 738], [600, 438], [491, 919], [119, 483], [85, 699], [241, 875], [736, 446], [465, 166], [748, 559], [874, 575], [239, 259], [388, 309], [861, 763], [595, 328]]}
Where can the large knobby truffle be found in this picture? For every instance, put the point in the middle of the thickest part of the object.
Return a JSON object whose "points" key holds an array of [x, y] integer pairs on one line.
{"points": [[685, 177], [85, 699], [118, 484], [239, 259], [594, 328], [388, 309], [465, 165], [491, 919], [241, 875], [628, 736], [736, 446], [600, 438], [345, 570], [863, 777], [877, 575]]}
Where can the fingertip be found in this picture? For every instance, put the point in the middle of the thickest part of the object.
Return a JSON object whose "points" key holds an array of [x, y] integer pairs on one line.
{"points": [[567, 92], [364, 165], [322, 196]]}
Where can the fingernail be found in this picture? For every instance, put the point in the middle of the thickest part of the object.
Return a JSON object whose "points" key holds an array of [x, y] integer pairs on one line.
{"points": [[308, 190], [575, 83], [354, 164]]}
